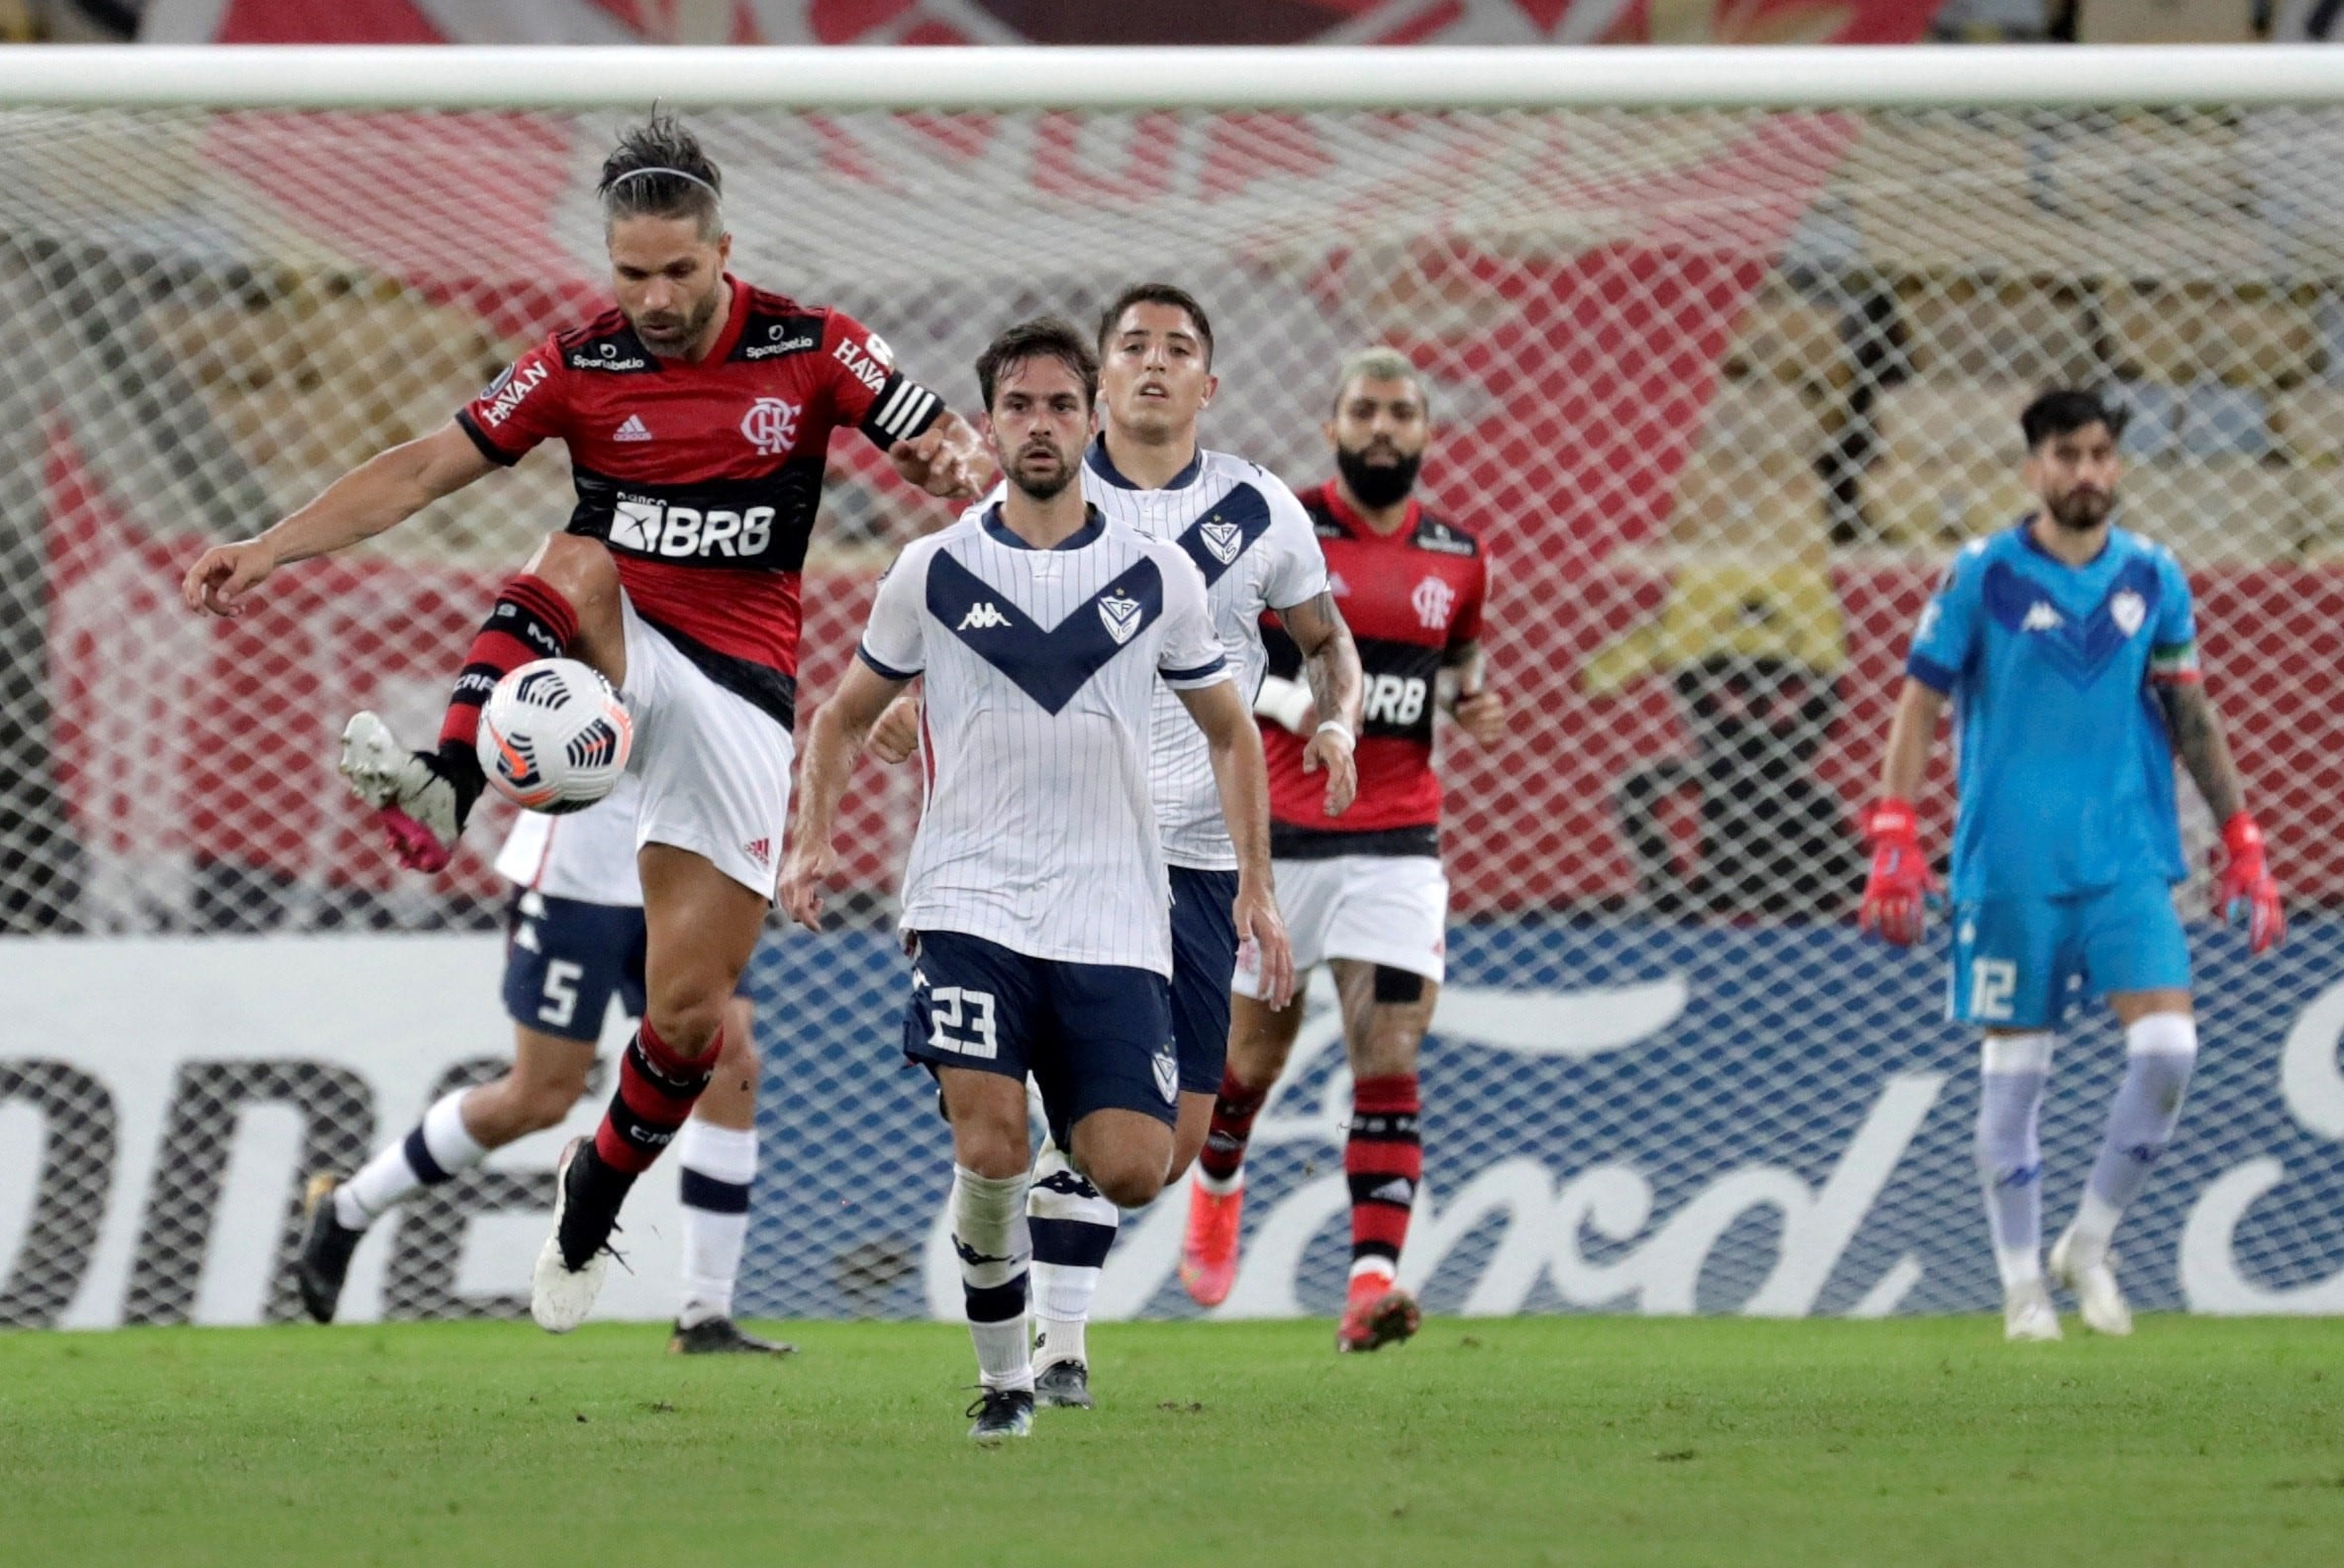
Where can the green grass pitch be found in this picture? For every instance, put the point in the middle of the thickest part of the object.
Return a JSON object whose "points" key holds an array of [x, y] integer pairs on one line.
{"points": [[1524, 1440]]}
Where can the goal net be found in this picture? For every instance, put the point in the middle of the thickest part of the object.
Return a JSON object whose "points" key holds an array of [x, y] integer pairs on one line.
{"points": [[1720, 390]]}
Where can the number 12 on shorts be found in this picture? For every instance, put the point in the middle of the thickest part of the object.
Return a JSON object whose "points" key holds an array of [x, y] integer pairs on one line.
{"points": [[961, 1020], [1992, 983]]}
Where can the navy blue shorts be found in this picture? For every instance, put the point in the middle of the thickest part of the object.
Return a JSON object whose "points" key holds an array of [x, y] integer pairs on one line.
{"points": [[1093, 1037], [565, 958], [1204, 962]]}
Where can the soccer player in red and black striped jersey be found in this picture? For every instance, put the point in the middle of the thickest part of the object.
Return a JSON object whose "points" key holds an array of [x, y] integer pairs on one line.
{"points": [[698, 415], [1366, 895]]}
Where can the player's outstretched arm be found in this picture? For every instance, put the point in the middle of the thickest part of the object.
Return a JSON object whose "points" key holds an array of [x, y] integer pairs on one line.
{"points": [[380, 493], [1896, 889], [834, 737], [948, 458], [1330, 665], [1243, 780], [1478, 711], [2246, 890]]}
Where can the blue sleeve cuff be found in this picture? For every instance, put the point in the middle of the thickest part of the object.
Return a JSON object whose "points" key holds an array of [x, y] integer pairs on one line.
{"points": [[1931, 674], [888, 671], [1200, 673]]}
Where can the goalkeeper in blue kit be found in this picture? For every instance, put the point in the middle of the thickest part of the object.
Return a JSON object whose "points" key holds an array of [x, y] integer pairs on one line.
{"points": [[2068, 648]]}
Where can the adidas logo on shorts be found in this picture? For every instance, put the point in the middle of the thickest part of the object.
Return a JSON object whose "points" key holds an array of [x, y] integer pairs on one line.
{"points": [[760, 850]]}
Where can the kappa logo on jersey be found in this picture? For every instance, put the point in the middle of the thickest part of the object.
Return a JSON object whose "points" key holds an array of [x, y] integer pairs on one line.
{"points": [[2080, 650], [508, 389], [771, 425], [654, 528], [1049, 666], [1121, 615], [635, 430], [982, 617], [1434, 601]]}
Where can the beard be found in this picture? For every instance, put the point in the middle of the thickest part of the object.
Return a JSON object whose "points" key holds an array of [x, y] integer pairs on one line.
{"points": [[672, 334], [1377, 484], [1048, 488], [2080, 511]]}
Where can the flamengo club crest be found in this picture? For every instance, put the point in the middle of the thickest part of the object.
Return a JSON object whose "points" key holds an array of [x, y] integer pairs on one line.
{"points": [[1433, 599], [1121, 615], [771, 425]]}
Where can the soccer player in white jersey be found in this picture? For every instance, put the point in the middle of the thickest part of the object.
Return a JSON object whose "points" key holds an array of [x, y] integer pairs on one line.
{"points": [[575, 943], [1037, 904], [2069, 649], [1258, 554]]}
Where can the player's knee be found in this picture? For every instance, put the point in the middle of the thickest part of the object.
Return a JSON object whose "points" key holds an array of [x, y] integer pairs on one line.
{"points": [[579, 568], [1128, 1184], [687, 1017]]}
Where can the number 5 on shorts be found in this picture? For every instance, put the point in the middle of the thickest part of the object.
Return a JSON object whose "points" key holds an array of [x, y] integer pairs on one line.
{"points": [[561, 991], [1992, 982], [969, 1033]]}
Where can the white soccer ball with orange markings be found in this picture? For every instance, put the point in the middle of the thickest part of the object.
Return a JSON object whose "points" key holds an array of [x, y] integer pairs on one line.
{"points": [[555, 736]]}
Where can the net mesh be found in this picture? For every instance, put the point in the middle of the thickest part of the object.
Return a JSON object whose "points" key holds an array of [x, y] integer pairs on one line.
{"points": [[1720, 392]]}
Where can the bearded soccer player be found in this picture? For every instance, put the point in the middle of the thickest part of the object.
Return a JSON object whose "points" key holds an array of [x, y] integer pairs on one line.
{"points": [[2069, 649], [1365, 896], [574, 944], [1254, 545], [697, 415], [1037, 904]]}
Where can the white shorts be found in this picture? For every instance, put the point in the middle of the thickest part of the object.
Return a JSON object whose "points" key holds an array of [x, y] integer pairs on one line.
{"points": [[1391, 909], [714, 767]]}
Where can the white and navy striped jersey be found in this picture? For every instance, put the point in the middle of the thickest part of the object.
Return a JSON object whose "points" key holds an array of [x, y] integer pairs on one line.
{"points": [[1255, 547], [1039, 831], [588, 854]]}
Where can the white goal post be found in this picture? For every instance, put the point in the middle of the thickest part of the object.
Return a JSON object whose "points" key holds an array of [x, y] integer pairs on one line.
{"points": [[1726, 350]]}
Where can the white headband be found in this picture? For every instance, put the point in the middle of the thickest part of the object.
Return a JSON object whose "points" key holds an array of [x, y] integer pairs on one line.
{"points": [[677, 172]]}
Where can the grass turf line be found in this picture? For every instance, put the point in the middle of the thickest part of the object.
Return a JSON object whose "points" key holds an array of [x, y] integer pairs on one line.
{"points": [[1524, 1440]]}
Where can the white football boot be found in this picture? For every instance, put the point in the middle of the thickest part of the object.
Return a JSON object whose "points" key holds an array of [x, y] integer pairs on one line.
{"points": [[420, 807], [559, 1295], [2027, 1312], [2099, 1300]]}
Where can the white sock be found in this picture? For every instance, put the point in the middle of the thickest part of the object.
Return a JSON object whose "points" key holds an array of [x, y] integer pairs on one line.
{"points": [[1073, 1225], [989, 1233], [433, 1149], [717, 1167]]}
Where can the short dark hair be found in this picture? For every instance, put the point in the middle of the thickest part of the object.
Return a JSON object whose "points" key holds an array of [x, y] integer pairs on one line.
{"points": [[1157, 294], [1043, 338], [658, 170], [2063, 411]]}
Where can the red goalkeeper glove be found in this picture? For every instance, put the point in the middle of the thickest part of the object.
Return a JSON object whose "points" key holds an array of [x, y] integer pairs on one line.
{"points": [[2246, 890], [1896, 891]]}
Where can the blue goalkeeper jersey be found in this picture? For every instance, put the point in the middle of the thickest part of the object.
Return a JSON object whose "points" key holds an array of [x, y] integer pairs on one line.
{"points": [[2063, 764]]}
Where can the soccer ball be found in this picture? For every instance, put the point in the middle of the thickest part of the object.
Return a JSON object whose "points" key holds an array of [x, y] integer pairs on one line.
{"points": [[554, 736]]}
